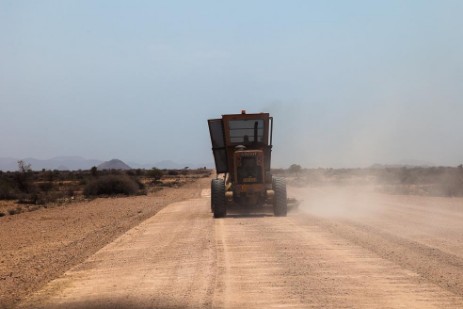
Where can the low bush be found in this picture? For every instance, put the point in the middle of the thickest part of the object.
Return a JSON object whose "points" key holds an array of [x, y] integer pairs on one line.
{"points": [[46, 186], [111, 185], [14, 211], [155, 174], [172, 172], [7, 191]]}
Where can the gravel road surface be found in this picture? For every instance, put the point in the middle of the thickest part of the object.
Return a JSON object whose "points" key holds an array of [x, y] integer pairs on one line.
{"points": [[369, 257]]}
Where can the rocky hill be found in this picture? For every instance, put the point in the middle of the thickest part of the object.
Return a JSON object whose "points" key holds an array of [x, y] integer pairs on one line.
{"points": [[114, 164]]}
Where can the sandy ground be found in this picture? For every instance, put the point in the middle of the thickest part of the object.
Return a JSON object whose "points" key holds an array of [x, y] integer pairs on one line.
{"points": [[39, 246], [342, 249]]}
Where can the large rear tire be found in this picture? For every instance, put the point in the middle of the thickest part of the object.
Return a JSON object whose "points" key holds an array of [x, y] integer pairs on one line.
{"points": [[280, 206], [212, 195], [218, 201]]}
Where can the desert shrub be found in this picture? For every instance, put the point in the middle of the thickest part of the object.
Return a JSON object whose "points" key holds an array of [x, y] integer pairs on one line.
{"points": [[46, 186], [172, 173], [295, 169], [206, 174], [55, 196], [22, 182], [111, 185], [139, 172], [49, 175], [7, 190], [14, 211], [200, 172], [94, 171], [140, 184], [2, 214], [130, 173], [23, 177], [154, 173], [70, 191], [30, 198]]}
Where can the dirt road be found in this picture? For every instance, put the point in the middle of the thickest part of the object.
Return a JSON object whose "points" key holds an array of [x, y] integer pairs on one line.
{"points": [[387, 256]]}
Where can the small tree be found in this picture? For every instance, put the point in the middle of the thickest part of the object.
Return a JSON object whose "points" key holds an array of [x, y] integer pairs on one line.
{"points": [[94, 171], [295, 169], [155, 174], [23, 176], [24, 167]]}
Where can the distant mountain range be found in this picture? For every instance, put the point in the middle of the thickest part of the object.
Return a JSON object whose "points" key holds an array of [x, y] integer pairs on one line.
{"points": [[79, 163]]}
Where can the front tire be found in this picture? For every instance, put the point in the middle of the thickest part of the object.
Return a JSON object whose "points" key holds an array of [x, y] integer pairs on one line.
{"points": [[218, 201], [280, 207]]}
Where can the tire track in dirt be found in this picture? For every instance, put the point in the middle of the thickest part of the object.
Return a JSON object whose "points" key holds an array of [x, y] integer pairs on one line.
{"points": [[441, 268], [168, 261], [64, 236], [293, 262]]}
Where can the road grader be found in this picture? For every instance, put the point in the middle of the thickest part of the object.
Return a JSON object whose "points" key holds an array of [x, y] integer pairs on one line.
{"points": [[242, 146]]}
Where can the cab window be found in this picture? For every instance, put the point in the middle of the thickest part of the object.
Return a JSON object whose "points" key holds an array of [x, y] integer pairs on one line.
{"points": [[245, 131]]}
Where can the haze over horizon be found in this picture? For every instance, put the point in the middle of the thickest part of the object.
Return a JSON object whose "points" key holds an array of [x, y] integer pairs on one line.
{"points": [[348, 83]]}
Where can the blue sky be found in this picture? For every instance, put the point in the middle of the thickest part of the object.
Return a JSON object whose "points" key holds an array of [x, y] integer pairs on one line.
{"points": [[349, 83]]}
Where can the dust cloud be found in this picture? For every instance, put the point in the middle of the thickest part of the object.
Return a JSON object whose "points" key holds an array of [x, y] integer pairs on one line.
{"points": [[348, 202], [384, 129], [415, 203], [369, 194]]}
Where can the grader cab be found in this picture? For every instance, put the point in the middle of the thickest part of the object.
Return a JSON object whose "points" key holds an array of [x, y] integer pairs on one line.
{"points": [[242, 146]]}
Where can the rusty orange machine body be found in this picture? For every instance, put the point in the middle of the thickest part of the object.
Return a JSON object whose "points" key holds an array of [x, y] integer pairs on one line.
{"points": [[242, 146]]}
